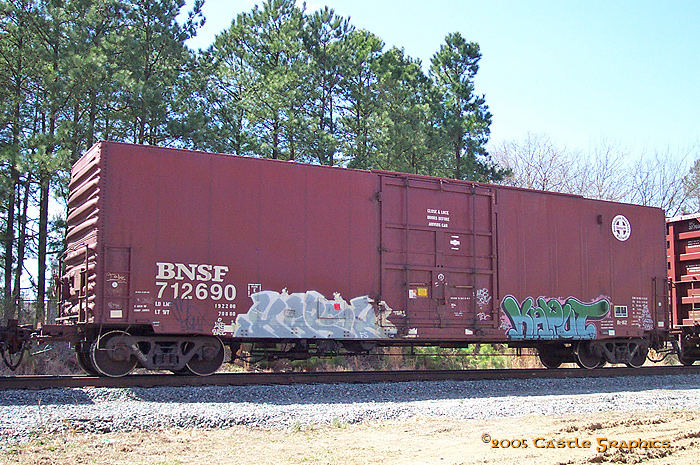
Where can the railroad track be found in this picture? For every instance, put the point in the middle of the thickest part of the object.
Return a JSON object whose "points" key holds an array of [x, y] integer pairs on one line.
{"points": [[242, 379]]}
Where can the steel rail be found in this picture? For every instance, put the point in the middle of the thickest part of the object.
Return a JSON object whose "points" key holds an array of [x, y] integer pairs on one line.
{"points": [[335, 377]]}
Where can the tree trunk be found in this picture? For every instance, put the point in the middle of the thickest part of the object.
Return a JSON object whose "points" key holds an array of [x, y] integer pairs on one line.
{"points": [[92, 118], [21, 243], [41, 254], [458, 144], [9, 246], [275, 137]]}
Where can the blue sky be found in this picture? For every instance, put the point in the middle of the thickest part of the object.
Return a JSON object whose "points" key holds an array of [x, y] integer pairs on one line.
{"points": [[627, 72]]}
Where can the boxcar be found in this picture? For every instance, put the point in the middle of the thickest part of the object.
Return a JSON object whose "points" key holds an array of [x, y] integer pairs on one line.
{"points": [[173, 253], [683, 245]]}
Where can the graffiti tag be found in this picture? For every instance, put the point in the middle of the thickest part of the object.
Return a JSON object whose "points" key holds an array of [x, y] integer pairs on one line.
{"points": [[482, 297], [190, 318], [552, 319]]}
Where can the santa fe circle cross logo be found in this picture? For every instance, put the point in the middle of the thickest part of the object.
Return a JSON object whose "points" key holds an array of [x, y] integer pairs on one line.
{"points": [[621, 228]]}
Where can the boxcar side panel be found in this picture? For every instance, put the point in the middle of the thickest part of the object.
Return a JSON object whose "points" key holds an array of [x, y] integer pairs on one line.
{"points": [[574, 268], [239, 247]]}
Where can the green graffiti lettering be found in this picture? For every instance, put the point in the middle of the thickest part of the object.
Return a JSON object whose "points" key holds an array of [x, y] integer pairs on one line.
{"points": [[551, 319]]}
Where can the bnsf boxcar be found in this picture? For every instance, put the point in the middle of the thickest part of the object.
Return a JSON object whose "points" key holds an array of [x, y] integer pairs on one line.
{"points": [[173, 253]]}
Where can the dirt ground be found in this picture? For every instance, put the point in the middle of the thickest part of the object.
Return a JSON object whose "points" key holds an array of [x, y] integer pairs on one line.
{"points": [[667, 437]]}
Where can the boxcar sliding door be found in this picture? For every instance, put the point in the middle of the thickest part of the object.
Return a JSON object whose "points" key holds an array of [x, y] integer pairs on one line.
{"points": [[438, 256]]}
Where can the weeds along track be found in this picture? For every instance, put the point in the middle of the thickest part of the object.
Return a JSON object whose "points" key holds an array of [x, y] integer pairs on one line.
{"points": [[285, 378]]}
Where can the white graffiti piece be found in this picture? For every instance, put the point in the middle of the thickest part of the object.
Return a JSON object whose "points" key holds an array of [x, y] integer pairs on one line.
{"points": [[387, 311], [310, 315], [221, 329], [483, 297], [218, 329]]}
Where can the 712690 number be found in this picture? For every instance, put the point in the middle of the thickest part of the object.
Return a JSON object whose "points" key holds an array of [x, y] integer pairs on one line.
{"points": [[200, 291]]}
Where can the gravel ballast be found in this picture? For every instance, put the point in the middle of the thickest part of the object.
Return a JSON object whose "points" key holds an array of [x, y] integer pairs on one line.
{"points": [[102, 410]]}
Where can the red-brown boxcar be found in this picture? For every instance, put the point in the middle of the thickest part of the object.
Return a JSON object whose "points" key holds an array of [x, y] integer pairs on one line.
{"points": [[172, 251], [683, 243]]}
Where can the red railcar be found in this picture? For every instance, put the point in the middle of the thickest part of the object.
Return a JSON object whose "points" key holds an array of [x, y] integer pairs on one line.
{"points": [[173, 252], [683, 245]]}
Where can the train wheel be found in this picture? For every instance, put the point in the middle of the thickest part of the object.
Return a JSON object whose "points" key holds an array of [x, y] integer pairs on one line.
{"points": [[686, 361], [585, 358], [639, 358], [85, 361], [549, 358], [111, 356], [209, 358]]}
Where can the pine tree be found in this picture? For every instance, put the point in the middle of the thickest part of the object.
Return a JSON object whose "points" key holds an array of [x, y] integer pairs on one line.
{"points": [[465, 119]]}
